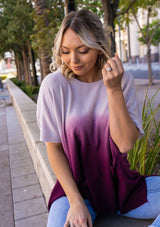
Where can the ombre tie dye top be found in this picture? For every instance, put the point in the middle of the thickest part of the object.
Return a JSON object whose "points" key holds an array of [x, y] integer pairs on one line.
{"points": [[76, 114]]}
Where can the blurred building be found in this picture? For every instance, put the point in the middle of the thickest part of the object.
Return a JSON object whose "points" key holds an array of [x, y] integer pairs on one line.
{"points": [[7, 64], [128, 46], [8, 59]]}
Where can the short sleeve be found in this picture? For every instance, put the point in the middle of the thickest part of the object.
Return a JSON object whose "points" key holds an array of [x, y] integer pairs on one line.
{"points": [[131, 100], [47, 112]]}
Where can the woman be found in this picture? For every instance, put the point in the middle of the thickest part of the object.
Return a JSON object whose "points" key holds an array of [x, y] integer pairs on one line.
{"points": [[89, 118]]}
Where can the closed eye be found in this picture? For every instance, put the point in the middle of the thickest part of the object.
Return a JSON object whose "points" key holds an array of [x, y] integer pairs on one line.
{"points": [[64, 52], [84, 52], [81, 49]]}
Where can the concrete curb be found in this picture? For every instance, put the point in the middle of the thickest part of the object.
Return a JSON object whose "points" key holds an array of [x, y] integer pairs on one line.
{"points": [[26, 112]]}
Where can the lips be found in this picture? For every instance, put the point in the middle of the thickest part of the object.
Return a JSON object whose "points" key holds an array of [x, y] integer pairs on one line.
{"points": [[76, 67]]}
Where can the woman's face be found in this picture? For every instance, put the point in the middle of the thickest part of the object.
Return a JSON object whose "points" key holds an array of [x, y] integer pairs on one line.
{"points": [[78, 57]]}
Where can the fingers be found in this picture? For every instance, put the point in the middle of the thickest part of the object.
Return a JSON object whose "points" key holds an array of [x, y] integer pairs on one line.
{"points": [[78, 216], [113, 72], [90, 222], [115, 64], [80, 223], [67, 224]]}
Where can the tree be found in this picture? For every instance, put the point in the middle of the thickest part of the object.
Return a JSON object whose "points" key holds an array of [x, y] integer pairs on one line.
{"points": [[17, 34], [16, 25], [108, 10], [42, 22], [149, 32], [148, 8], [70, 5], [48, 16], [150, 36]]}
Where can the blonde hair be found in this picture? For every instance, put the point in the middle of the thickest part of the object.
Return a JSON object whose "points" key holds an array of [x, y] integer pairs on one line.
{"points": [[89, 29]]}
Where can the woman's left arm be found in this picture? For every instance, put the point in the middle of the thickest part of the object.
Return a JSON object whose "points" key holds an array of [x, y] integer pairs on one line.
{"points": [[123, 130]]}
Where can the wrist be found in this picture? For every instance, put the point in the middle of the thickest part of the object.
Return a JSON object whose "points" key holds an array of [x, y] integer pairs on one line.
{"points": [[75, 198], [114, 90]]}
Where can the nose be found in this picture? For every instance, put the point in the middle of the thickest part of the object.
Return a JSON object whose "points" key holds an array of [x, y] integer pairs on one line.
{"points": [[74, 58]]}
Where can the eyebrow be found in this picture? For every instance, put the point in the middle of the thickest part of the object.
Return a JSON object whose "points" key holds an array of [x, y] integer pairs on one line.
{"points": [[76, 47]]}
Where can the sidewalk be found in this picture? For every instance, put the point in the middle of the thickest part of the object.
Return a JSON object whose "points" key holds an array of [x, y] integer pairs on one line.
{"points": [[141, 66], [141, 89], [22, 202]]}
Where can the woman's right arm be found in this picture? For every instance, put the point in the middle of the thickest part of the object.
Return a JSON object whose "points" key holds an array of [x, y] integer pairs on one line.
{"points": [[78, 214]]}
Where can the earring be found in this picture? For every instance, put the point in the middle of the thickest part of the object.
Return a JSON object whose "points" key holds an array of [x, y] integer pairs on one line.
{"points": [[53, 66], [56, 64]]}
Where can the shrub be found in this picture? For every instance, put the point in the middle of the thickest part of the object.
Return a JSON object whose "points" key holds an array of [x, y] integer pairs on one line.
{"points": [[18, 82], [30, 90], [3, 77], [145, 155]]}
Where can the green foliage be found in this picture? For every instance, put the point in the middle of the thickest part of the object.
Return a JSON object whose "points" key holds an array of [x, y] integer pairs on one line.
{"points": [[17, 82], [46, 26], [16, 24], [147, 32], [124, 18], [126, 15], [31, 91], [95, 6], [3, 77], [145, 155]]}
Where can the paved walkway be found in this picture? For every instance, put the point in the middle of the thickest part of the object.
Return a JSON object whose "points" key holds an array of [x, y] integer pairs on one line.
{"points": [[22, 202]]}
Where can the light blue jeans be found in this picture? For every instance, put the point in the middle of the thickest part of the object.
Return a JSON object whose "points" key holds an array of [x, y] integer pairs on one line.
{"points": [[149, 210]]}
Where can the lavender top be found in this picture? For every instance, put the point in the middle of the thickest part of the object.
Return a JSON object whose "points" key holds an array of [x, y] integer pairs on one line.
{"points": [[76, 114]]}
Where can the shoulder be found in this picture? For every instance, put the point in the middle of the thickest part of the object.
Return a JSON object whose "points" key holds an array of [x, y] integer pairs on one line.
{"points": [[53, 80], [127, 80]]}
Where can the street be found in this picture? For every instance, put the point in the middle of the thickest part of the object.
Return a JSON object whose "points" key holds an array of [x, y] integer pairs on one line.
{"points": [[140, 71]]}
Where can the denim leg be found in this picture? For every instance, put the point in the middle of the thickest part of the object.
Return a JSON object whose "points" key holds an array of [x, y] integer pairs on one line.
{"points": [[58, 212], [150, 209], [59, 209]]}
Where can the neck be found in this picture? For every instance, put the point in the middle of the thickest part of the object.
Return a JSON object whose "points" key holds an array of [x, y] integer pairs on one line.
{"points": [[88, 79]]}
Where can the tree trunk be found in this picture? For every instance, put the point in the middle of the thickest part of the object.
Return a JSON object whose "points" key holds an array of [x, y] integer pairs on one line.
{"points": [[129, 44], [45, 62], [41, 69], [26, 63], [149, 65], [44, 53], [109, 16], [32, 60], [39, 6], [70, 5], [19, 67]]}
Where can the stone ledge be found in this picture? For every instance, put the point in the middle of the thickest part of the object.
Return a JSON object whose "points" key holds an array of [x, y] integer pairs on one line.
{"points": [[26, 112]]}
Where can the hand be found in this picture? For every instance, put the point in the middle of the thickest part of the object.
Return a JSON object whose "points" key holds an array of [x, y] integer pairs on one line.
{"points": [[112, 79], [78, 216]]}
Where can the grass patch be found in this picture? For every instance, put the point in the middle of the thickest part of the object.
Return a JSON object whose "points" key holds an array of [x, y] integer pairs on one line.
{"points": [[145, 155]]}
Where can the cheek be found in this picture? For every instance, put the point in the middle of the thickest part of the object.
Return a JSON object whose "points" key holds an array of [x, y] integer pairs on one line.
{"points": [[92, 61], [65, 59]]}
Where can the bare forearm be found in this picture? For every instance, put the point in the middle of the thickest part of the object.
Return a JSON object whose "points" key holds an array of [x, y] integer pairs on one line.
{"points": [[61, 169], [123, 131]]}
